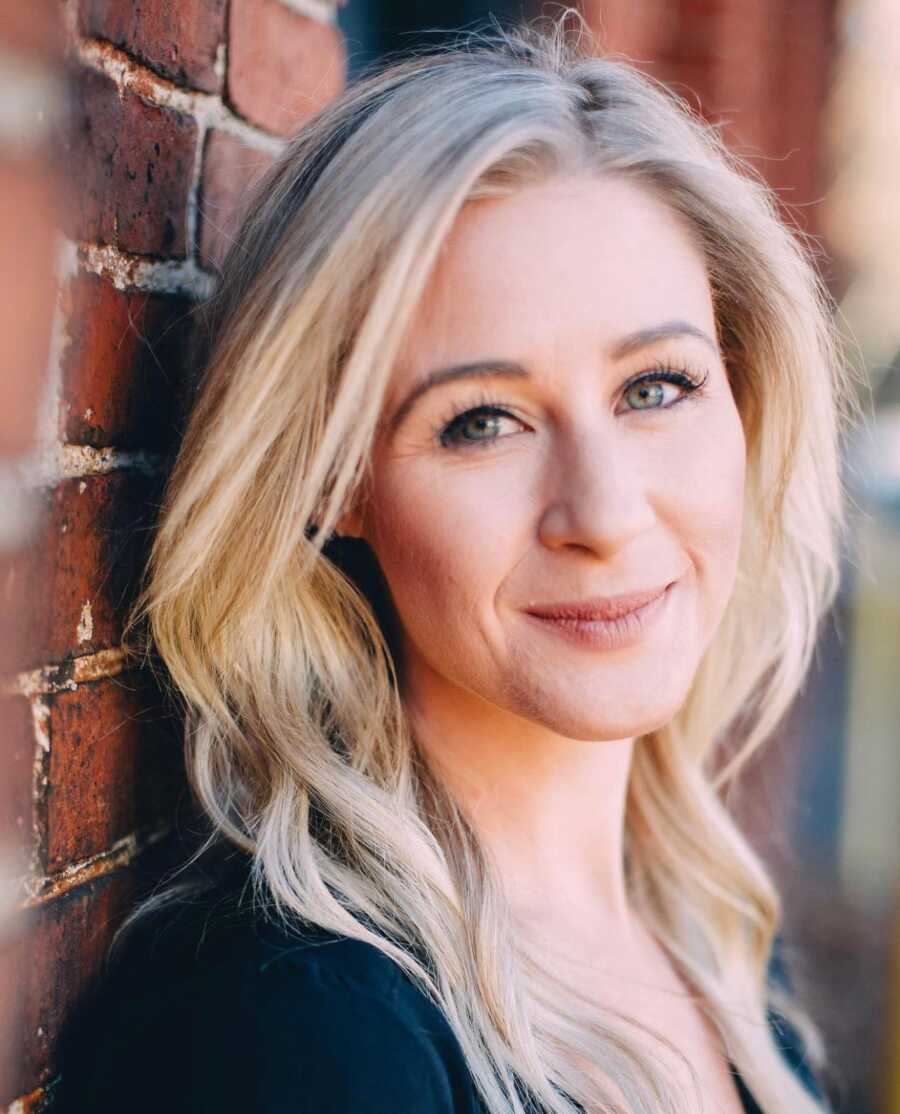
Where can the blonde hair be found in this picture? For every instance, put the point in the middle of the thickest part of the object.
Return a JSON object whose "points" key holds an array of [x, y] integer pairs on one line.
{"points": [[297, 745]]}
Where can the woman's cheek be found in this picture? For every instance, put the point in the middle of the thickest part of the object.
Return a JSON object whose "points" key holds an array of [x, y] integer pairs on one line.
{"points": [[445, 543], [408, 532], [710, 501]]}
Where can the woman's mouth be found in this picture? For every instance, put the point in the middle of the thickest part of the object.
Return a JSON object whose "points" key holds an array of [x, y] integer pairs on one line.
{"points": [[604, 624]]}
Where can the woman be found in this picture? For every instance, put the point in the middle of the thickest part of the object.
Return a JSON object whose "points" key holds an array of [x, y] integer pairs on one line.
{"points": [[509, 502]]}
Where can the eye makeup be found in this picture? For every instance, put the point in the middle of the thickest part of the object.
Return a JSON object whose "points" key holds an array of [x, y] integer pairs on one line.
{"points": [[449, 429]]}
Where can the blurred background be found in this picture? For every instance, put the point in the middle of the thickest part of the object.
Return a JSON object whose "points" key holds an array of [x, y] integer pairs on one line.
{"points": [[130, 133]]}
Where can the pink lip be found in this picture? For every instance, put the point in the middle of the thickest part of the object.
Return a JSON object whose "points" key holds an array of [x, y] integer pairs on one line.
{"points": [[598, 607], [626, 629]]}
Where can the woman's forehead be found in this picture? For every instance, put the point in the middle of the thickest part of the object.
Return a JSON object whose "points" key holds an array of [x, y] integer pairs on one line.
{"points": [[568, 263]]}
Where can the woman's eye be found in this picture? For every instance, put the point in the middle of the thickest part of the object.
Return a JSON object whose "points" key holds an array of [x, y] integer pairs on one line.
{"points": [[647, 393], [483, 425], [479, 426]]}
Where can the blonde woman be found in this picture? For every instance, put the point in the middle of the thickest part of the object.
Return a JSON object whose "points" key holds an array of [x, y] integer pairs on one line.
{"points": [[510, 499]]}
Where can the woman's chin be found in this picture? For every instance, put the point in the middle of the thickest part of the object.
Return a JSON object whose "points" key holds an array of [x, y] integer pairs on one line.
{"points": [[596, 724]]}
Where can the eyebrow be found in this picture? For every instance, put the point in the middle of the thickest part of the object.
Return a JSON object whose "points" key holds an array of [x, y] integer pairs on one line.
{"points": [[509, 369]]}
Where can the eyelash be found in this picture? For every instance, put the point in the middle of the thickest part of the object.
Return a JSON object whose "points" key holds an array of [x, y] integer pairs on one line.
{"points": [[681, 376]]}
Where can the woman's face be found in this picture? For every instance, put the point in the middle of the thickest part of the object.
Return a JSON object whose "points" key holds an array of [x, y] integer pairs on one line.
{"points": [[573, 483]]}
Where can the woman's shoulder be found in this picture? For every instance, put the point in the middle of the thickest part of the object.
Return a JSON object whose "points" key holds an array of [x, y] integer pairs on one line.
{"points": [[209, 1005], [218, 936]]}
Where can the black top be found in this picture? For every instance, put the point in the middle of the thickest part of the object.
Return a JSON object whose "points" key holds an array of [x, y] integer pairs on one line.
{"points": [[212, 1009]]}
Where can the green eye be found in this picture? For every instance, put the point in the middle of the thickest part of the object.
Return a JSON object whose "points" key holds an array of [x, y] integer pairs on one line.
{"points": [[649, 390], [483, 420], [480, 424], [645, 391]]}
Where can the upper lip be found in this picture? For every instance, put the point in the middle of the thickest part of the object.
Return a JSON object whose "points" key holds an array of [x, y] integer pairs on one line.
{"points": [[598, 607]]}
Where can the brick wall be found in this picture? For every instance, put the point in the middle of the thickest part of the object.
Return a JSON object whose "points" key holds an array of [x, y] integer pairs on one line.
{"points": [[30, 92], [173, 109], [761, 67]]}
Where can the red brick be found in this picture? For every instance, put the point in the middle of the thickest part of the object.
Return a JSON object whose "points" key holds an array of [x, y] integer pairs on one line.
{"points": [[124, 366], [17, 745], [33, 29], [230, 169], [179, 41], [92, 547], [640, 31], [28, 216], [133, 163], [800, 172], [58, 958], [14, 615], [58, 955], [115, 765], [282, 67]]}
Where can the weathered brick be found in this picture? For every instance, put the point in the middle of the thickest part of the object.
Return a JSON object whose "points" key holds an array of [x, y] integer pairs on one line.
{"points": [[18, 750], [230, 168], [179, 41], [76, 582], [15, 610], [133, 163], [124, 365], [640, 31], [282, 67], [115, 765], [58, 954], [33, 29], [28, 216]]}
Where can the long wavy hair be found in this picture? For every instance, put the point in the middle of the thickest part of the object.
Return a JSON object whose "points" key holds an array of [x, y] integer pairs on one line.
{"points": [[278, 643]]}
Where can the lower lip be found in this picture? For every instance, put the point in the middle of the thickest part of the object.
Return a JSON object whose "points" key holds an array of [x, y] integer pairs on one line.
{"points": [[608, 634]]}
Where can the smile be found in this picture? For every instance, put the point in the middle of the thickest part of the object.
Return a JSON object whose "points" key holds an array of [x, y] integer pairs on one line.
{"points": [[626, 629]]}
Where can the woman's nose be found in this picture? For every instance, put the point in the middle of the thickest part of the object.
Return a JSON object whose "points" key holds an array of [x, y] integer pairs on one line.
{"points": [[597, 496]]}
